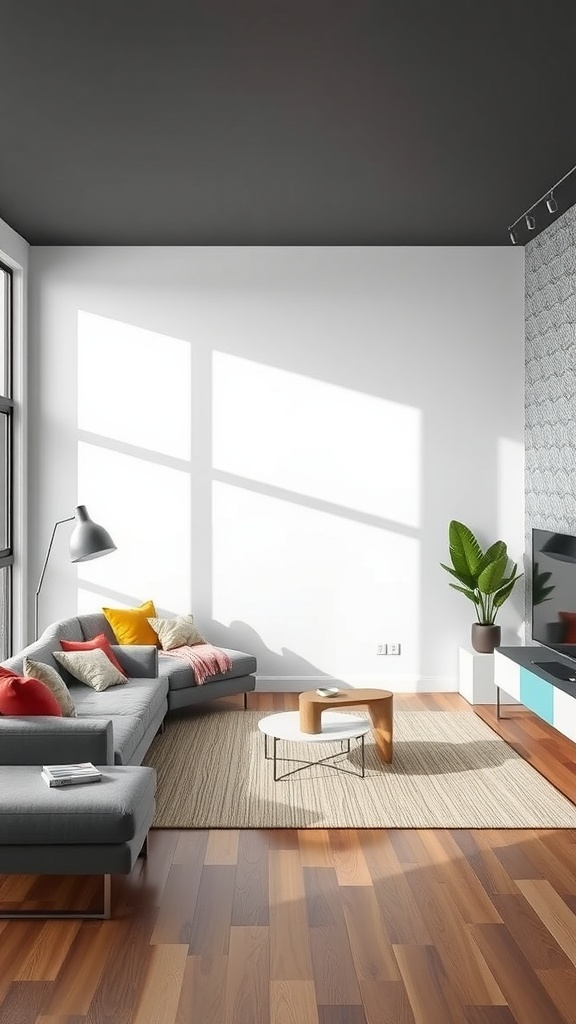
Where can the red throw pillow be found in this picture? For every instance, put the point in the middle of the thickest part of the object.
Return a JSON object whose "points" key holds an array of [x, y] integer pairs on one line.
{"points": [[20, 695], [100, 642], [569, 633]]}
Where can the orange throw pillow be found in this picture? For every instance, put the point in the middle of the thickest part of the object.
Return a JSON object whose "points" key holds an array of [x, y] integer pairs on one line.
{"points": [[100, 642], [131, 625], [22, 695], [569, 619]]}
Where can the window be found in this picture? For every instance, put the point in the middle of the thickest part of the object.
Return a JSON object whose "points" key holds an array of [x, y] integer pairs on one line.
{"points": [[6, 462]]}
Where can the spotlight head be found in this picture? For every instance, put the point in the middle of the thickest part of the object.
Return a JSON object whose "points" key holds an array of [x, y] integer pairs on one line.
{"points": [[513, 238], [551, 203], [530, 222]]}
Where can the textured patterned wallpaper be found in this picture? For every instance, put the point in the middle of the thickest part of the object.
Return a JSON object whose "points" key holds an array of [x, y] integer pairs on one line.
{"points": [[550, 399]]}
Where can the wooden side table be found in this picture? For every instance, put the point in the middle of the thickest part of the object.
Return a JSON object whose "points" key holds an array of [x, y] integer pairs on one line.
{"points": [[378, 703]]}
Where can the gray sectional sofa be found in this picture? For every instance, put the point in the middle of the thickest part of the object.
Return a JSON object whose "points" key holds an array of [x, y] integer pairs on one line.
{"points": [[135, 710], [102, 828]]}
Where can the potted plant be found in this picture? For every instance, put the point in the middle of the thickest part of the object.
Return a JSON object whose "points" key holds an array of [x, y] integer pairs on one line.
{"points": [[484, 577]]}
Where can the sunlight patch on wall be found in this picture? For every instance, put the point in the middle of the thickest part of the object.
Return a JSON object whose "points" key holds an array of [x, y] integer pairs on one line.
{"points": [[317, 439], [146, 509], [92, 601], [324, 587], [133, 385]]}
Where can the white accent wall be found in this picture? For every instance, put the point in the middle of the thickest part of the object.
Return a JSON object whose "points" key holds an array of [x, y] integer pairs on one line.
{"points": [[14, 252], [277, 438]]}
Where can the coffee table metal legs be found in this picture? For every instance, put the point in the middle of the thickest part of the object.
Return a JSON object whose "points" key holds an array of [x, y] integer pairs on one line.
{"points": [[310, 764]]}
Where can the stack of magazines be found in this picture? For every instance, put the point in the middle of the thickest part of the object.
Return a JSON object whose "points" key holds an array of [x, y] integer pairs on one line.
{"points": [[70, 774]]}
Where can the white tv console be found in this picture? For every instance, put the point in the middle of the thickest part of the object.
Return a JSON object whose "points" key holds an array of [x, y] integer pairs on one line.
{"points": [[541, 680]]}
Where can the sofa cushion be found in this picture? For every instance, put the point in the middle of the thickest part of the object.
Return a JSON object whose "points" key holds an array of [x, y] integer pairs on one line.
{"points": [[137, 662], [180, 675], [128, 733], [137, 698], [110, 811]]}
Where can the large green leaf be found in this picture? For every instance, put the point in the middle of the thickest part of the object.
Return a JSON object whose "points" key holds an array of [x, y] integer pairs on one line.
{"points": [[494, 552], [503, 594], [510, 575], [468, 593], [490, 579], [468, 581], [465, 551]]}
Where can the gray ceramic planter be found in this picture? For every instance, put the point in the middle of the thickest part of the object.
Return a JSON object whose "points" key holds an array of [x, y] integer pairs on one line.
{"points": [[485, 638]]}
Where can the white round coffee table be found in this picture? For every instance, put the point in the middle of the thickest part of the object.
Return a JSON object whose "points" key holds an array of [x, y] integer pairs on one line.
{"points": [[335, 728]]}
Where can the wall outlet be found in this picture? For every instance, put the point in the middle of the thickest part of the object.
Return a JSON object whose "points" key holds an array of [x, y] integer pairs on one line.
{"points": [[382, 649], [393, 648]]}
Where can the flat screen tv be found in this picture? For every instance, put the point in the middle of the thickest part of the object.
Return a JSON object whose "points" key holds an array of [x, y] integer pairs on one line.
{"points": [[554, 591]]}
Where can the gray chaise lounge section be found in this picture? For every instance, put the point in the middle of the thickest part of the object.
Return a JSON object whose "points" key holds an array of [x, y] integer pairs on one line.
{"points": [[102, 827], [96, 829]]}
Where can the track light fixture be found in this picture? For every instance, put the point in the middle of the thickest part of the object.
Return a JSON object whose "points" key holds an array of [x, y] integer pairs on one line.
{"points": [[529, 218], [551, 203]]}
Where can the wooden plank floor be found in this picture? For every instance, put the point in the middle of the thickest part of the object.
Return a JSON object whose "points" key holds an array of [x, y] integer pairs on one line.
{"points": [[316, 926]]}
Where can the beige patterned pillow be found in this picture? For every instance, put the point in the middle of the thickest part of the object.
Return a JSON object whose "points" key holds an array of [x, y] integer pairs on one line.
{"points": [[49, 676], [91, 667], [178, 632]]}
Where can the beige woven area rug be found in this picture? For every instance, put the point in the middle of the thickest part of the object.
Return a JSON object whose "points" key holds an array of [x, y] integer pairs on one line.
{"points": [[450, 770]]}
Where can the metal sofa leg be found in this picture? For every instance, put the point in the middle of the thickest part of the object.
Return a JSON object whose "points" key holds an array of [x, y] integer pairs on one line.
{"points": [[84, 915], [107, 897], [245, 701]]}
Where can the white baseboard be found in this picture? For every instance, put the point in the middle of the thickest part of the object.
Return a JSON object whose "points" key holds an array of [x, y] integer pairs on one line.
{"points": [[398, 683]]}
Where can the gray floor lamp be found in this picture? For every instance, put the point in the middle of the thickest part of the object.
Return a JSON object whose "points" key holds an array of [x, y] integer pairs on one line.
{"points": [[88, 540]]}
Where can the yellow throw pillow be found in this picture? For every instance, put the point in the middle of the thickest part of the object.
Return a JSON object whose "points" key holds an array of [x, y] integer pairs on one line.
{"points": [[131, 625]]}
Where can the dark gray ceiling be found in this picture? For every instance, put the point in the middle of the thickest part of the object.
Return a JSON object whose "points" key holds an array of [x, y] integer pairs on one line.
{"points": [[369, 122]]}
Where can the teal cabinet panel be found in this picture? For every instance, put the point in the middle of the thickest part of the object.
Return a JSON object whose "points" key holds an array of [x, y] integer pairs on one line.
{"points": [[537, 694]]}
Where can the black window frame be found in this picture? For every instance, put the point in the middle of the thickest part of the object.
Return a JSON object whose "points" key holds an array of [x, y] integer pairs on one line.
{"points": [[7, 409]]}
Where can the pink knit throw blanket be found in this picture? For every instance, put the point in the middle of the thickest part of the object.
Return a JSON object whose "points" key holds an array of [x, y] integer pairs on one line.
{"points": [[204, 660]]}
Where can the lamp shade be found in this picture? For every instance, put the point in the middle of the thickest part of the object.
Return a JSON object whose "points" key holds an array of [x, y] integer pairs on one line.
{"points": [[88, 540]]}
